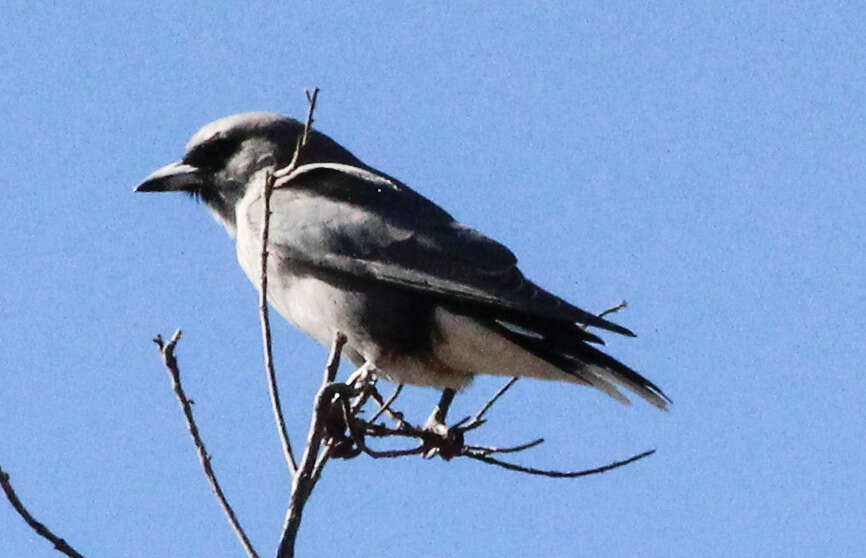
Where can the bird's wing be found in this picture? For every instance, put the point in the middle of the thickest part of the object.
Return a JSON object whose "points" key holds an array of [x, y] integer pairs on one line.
{"points": [[354, 221]]}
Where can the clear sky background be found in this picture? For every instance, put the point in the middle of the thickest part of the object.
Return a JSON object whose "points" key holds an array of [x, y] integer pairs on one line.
{"points": [[706, 164]]}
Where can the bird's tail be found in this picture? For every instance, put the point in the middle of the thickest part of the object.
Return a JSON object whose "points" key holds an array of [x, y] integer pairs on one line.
{"points": [[506, 349]]}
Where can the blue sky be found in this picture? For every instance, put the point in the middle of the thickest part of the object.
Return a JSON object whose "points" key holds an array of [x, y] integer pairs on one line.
{"points": [[704, 163]]}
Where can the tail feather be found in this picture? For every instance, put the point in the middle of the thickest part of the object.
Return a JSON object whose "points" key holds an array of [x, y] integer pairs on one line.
{"points": [[487, 346], [576, 357]]}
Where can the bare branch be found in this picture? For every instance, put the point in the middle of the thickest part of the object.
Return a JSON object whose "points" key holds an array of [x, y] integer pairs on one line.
{"points": [[392, 453], [270, 180], [266, 332], [477, 420], [613, 309], [166, 350], [451, 445], [405, 431], [320, 463], [366, 390], [334, 358], [311, 464], [40, 529], [486, 450], [387, 404], [396, 416], [311, 99], [557, 474], [357, 429]]}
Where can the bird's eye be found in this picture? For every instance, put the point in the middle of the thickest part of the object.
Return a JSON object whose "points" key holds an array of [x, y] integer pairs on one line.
{"points": [[211, 154]]}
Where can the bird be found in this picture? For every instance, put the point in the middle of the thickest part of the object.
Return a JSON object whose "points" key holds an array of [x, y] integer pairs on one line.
{"points": [[421, 298]]}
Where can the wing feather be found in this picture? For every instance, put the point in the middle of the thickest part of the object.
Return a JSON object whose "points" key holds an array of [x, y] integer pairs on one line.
{"points": [[354, 221]]}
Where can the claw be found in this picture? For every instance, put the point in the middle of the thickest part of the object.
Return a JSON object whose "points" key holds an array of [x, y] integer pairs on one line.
{"points": [[441, 440]]}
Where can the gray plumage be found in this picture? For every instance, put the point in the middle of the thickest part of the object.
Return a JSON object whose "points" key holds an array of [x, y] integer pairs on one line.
{"points": [[422, 299]]}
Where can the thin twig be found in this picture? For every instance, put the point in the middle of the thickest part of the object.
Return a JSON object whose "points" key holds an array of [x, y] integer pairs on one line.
{"points": [[366, 393], [488, 449], [334, 358], [276, 406], [385, 406], [320, 463], [405, 431], [396, 416], [306, 477], [454, 446], [268, 188], [480, 414], [293, 163], [478, 419], [376, 454], [613, 309], [40, 528], [357, 429], [168, 358], [557, 474], [311, 99]]}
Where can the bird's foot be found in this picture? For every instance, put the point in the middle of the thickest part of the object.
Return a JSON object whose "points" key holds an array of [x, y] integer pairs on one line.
{"points": [[439, 439], [362, 377]]}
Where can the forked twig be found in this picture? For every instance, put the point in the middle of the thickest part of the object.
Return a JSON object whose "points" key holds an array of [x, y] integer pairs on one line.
{"points": [[357, 430], [478, 419], [450, 446], [387, 404], [454, 446], [166, 350], [396, 416], [270, 180]]}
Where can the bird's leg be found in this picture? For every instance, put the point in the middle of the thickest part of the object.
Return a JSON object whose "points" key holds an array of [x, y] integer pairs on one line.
{"points": [[447, 442], [360, 377], [436, 422]]}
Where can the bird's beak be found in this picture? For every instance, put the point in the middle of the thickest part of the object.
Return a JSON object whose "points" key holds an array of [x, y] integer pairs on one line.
{"points": [[176, 177]]}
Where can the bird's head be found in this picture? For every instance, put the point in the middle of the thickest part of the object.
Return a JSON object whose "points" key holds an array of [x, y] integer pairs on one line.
{"points": [[223, 157]]}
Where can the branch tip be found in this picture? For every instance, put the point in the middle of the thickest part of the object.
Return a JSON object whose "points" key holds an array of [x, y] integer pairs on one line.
{"points": [[166, 351], [38, 527]]}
